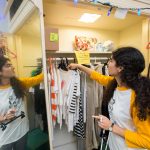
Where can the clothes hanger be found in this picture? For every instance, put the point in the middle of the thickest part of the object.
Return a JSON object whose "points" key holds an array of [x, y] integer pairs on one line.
{"points": [[95, 62], [62, 65], [67, 62], [4, 125]]}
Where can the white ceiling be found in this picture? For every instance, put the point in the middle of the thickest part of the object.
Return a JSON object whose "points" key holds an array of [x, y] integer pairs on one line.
{"points": [[67, 14]]}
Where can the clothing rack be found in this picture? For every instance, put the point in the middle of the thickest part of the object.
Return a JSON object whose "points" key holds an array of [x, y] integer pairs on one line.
{"points": [[58, 56], [39, 63], [92, 59], [94, 56]]}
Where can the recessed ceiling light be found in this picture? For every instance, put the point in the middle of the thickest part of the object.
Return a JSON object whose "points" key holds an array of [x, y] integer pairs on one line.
{"points": [[89, 18]]}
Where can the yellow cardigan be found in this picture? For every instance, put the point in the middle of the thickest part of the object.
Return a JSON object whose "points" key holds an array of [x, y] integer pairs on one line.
{"points": [[29, 81], [32, 81], [141, 137]]}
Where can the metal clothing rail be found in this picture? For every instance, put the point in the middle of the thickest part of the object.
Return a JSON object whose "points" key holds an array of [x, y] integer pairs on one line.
{"points": [[71, 59]]}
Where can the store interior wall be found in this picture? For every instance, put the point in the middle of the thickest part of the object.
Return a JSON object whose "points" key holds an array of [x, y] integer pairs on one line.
{"points": [[26, 44], [12, 48], [68, 33], [30, 45], [31, 50], [145, 40], [132, 36]]}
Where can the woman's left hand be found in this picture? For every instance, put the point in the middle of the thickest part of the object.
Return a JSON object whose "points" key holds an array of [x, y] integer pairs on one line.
{"points": [[103, 122]]}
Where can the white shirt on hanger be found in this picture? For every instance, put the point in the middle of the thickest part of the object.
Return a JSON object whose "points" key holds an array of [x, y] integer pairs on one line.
{"points": [[19, 127]]}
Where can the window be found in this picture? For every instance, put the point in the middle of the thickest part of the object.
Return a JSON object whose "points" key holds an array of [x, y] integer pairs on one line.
{"points": [[14, 7]]}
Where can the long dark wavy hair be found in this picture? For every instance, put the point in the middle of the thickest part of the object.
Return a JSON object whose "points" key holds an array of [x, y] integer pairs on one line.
{"points": [[133, 63], [18, 87]]}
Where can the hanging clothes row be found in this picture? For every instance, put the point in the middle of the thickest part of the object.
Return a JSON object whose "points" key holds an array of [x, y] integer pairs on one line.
{"points": [[75, 98], [36, 105]]}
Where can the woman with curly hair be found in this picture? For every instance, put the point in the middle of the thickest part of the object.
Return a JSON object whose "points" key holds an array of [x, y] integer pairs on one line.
{"points": [[126, 103], [12, 92]]}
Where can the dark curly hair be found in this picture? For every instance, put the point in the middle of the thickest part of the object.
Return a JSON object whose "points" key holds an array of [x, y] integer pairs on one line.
{"points": [[18, 87], [133, 63]]}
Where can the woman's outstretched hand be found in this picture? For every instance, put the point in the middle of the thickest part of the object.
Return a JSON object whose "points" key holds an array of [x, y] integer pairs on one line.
{"points": [[73, 66]]}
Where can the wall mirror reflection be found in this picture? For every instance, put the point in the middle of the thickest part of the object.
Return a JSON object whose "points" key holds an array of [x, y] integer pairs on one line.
{"points": [[23, 119]]}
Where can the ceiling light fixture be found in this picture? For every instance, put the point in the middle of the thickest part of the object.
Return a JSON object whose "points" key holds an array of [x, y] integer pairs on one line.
{"points": [[89, 18]]}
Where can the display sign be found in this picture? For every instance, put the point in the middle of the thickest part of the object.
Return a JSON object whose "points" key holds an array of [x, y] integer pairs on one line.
{"points": [[83, 57], [54, 37]]}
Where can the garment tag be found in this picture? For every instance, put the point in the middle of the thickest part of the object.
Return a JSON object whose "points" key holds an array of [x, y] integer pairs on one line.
{"points": [[31, 90], [42, 85]]}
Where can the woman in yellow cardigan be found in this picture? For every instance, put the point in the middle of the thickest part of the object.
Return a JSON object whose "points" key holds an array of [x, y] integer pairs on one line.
{"points": [[127, 100], [12, 92]]}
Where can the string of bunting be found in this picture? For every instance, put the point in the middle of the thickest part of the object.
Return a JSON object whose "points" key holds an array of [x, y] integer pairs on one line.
{"points": [[111, 6], [114, 6]]}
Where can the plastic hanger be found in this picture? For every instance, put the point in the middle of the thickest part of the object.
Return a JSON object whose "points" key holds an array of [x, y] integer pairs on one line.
{"points": [[62, 65], [4, 125]]}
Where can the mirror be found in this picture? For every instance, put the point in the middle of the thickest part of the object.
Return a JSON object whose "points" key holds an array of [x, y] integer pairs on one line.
{"points": [[20, 42]]}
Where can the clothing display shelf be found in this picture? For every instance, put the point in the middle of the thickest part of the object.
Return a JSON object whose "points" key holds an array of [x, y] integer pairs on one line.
{"points": [[72, 54]]}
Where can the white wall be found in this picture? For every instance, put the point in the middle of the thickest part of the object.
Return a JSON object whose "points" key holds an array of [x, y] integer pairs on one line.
{"points": [[28, 50], [137, 36], [31, 50], [132, 36], [67, 35]]}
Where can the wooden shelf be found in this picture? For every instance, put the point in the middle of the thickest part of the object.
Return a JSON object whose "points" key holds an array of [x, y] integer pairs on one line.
{"points": [[72, 54]]}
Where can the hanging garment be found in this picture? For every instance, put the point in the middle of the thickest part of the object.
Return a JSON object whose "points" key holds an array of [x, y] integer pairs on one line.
{"points": [[40, 105], [59, 98], [105, 69], [65, 83], [54, 91], [99, 89], [148, 74], [98, 97], [36, 104], [30, 108], [90, 110], [68, 93], [49, 93], [94, 100], [79, 129], [73, 101]]}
